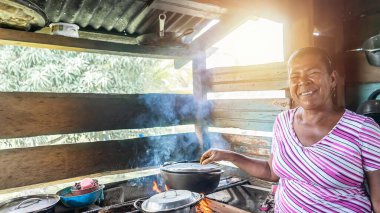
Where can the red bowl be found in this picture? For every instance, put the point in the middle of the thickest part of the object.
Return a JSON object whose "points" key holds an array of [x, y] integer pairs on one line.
{"points": [[76, 192]]}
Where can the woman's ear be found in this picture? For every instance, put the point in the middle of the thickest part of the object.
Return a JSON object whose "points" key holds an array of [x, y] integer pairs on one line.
{"points": [[334, 78]]}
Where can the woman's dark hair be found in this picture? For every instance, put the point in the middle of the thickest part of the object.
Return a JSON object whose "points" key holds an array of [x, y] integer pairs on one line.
{"points": [[323, 56]]}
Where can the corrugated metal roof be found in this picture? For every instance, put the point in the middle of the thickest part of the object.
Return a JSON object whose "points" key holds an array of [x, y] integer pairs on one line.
{"points": [[130, 17]]}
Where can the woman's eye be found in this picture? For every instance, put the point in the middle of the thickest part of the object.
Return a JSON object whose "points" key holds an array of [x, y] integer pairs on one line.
{"points": [[294, 78], [314, 73]]}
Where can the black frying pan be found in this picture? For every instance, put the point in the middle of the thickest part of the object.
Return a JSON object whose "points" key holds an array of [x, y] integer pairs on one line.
{"points": [[371, 107]]}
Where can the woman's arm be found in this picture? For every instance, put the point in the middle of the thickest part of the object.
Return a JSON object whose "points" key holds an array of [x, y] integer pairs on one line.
{"points": [[374, 188], [257, 168]]}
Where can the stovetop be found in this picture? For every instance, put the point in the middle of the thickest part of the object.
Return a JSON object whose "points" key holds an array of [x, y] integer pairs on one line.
{"points": [[234, 193]]}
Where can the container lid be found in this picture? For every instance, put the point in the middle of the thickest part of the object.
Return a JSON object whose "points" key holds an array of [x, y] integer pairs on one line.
{"points": [[190, 168], [64, 24], [171, 200], [32, 203]]}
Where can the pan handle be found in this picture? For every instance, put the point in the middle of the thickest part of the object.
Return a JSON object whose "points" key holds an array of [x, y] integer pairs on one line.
{"points": [[137, 204], [374, 95], [28, 202], [161, 20]]}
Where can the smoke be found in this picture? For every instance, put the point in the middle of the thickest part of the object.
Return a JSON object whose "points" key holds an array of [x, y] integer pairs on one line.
{"points": [[166, 110], [217, 141], [183, 147], [172, 110]]}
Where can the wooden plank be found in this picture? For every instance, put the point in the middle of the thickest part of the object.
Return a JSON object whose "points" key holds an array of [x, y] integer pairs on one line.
{"points": [[264, 105], [248, 78], [257, 114], [39, 40], [21, 167], [251, 68], [249, 86], [252, 146], [32, 114], [247, 115], [247, 124], [208, 205]]}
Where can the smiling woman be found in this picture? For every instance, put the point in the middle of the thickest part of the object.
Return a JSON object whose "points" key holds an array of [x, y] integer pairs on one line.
{"points": [[311, 75], [321, 153]]}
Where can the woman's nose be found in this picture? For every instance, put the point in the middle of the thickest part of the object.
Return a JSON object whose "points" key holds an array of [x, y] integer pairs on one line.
{"points": [[303, 81]]}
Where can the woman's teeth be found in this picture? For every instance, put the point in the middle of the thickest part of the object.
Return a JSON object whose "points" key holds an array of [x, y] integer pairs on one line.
{"points": [[306, 93]]}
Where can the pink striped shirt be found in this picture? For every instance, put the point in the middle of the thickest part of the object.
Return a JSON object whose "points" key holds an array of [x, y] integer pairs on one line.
{"points": [[329, 175]]}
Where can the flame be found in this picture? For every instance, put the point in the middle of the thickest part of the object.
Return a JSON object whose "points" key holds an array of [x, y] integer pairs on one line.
{"points": [[155, 187], [203, 207]]}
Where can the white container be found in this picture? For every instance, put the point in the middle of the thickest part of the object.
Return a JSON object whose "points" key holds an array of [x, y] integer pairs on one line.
{"points": [[64, 29]]}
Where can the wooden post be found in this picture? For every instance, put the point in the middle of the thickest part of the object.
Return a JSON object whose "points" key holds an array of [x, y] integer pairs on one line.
{"points": [[298, 28], [200, 95]]}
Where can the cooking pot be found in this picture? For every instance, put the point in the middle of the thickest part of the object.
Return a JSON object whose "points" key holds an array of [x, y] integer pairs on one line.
{"points": [[78, 201], [371, 107], [372, 50], [22, 14], [32, 203], [191, 176], [172, 201]]}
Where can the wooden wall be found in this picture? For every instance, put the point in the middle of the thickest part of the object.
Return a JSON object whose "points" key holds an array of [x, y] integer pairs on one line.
{"points": [[248, 114], [34, 114], [27, 166], [361, 21]]}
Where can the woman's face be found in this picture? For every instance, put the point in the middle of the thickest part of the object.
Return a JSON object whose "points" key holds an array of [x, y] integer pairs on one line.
{"points": [[310, 83]]}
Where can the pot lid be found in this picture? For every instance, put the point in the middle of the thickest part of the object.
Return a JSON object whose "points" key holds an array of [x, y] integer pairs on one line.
{"points": [[190, 167], [21, 14], [170, 200], [32, 203]]}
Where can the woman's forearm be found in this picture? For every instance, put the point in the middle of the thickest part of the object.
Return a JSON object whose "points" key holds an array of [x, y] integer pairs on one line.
{"points": [[258, 168]]}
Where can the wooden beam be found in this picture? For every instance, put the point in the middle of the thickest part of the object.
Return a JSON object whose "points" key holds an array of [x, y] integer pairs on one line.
{"points": [[227, 23], [298, 28], [191, 8], [22, 167], [216, 206], [39, 40], [270, 9], [32, 114]]}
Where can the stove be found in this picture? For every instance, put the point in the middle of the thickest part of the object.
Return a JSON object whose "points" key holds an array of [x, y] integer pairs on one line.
{"points": [[233, 195]]}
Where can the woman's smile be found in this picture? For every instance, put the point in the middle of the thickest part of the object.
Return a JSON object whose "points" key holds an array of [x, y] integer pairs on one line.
{"points": [[307, 93]]}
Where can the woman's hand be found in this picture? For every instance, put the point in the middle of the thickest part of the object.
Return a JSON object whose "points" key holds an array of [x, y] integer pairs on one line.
{"points": [[213, 155]]}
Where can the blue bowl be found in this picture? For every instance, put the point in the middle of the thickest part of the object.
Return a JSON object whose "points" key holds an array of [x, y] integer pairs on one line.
{"points": [[80, 200]]}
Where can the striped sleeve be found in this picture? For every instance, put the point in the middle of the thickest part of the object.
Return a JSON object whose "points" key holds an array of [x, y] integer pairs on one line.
{"points": [[369, 137]]}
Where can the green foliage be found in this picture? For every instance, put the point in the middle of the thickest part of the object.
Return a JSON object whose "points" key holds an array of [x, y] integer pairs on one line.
{"points": [[41, 70], [24, 69]]}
